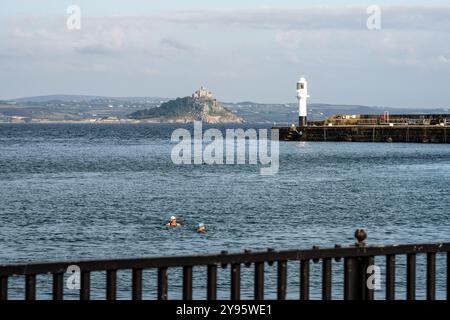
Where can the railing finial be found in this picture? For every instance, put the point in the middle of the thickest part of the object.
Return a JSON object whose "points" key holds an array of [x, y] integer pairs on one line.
{"points": [[360, 236]]}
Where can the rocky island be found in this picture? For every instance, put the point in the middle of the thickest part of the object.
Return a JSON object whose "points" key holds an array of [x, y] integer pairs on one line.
{"points": [[201, 106]]}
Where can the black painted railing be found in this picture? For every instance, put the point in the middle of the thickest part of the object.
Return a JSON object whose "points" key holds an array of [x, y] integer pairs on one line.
{"points": [[356, 260]]}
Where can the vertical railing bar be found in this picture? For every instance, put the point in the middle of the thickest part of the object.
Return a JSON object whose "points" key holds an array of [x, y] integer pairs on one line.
{"points": [[58, 287], [162, 283], [235, 281], [411, 276], [431, 276], [187, 283], [348, 294], [369, 293], [30, 287], [212, 282], [448, 275], [3, 288], [390, 277], [326, 279], [85, 289], [259, 281], [304, 280], [282, 282], [111, 284], [137, 284]]}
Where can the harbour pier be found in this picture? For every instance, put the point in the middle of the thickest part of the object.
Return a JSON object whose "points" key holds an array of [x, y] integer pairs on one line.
{"points": [[406, 128], [367, 133]]}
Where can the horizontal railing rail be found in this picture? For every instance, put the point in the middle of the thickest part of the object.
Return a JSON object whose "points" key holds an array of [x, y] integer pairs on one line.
{"points": [[356, 260]]}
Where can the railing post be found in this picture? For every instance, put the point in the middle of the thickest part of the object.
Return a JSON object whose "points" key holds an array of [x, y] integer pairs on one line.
{"points": [[326, 279], [411, 276], [259, 281], [353, 278], [431, 276], [304, 280], [111, 284], [282, 281], [58, 286], [162, 283], [212, 282], [448, 275], [368, 292], [85, 289], [390, 277], [3, 288], [187, 283], [355, 272], [30, 287], [137, 284], [235, 281]]}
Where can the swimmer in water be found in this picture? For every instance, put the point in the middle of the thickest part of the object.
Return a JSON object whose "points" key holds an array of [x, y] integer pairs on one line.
{"points": [[173, 222], [200, 228]]}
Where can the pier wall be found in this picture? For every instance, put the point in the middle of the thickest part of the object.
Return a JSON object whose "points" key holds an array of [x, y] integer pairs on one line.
{"points": [[377, 133]]}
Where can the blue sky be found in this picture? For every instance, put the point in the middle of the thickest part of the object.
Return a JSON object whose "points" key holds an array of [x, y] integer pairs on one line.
{"points": [[241, 50]]}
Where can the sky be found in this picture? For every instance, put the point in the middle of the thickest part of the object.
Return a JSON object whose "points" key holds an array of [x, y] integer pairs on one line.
{"points": [[240, 50]]}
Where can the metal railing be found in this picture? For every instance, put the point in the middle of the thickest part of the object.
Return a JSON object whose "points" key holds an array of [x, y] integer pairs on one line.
{"points": [[356, 260]]}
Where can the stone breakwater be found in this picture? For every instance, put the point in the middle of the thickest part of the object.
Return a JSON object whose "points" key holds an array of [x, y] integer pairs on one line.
{"points": [[374, 133]]}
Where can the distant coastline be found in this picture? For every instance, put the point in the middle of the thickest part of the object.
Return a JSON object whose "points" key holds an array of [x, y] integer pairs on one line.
{"points": [[93, 121], [114, 110]]}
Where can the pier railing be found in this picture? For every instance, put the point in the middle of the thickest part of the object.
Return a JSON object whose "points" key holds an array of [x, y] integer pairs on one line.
{"points": [[356, 259]]}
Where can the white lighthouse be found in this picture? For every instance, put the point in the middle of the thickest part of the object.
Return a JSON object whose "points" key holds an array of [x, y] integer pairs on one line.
{"points": [[302, 96]]}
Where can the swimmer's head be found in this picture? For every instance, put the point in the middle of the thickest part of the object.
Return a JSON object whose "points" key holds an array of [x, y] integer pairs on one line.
{"points": [[200, 227], [172, 221]]}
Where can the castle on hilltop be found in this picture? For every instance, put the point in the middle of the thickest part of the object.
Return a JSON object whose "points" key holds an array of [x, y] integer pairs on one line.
{"points": [[202, 93]]}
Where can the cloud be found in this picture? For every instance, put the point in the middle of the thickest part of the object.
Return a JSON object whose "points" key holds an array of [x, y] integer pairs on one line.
{"points": [[234, 48], [107, 35], [95, 49], [319, 17], [103, 42], [443, 60], [175, 44]]}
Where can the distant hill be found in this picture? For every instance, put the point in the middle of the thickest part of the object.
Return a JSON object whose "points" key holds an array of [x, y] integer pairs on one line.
{"points": [[74, 107], [200, 106], [83, 98]]}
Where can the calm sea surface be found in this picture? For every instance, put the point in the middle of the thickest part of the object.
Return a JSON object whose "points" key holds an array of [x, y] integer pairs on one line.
{"points": [[72, 192]]}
